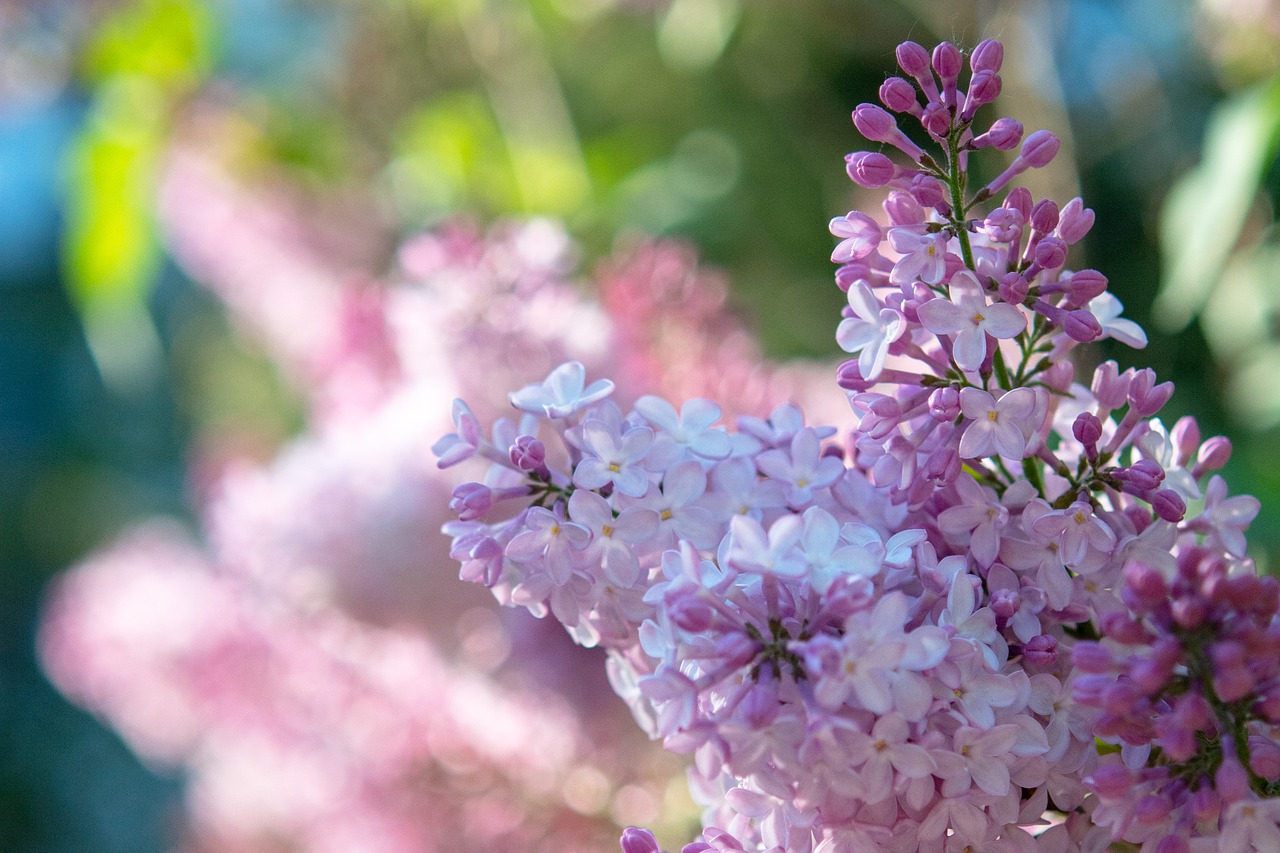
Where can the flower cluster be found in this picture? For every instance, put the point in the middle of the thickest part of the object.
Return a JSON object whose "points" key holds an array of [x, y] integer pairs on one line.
{"points": [[1011, 611]]}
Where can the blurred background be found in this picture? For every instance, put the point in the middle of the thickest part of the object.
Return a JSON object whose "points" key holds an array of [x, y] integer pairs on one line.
{"points": [[201, 206]]}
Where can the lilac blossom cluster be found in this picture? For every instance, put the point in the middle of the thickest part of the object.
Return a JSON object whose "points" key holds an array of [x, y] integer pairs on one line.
{"points": [[1010, 612]]}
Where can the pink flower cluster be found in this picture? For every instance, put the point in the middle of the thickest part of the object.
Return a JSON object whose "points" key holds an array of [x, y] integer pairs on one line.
{"points": [[1007, 613]]}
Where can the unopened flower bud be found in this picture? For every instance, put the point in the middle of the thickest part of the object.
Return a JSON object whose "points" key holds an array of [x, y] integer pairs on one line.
{"points": [[912, 58], [1044, 216], [1189, 612], [1051, 253], [635, 840], [471, 500], [870, 169], [1145, 396], [1019, 199], [1080, 325], [690, 613], [1005, 603], [947, 60], [983, 89], [1110, 386], [1013, 288], [1003, 135], [928, 190], [849, 376], [899, 95], [1173, 844], [1087, 429], [1041, 650], [1085, 285], [987, 56], [903, 210], [1213, 455], [1112, 780], [1264, 757], [1075, 221], [944, 404], [1185, 436], [1088, 656], [936, 119], [527, 453], [1123, 629], [874, 123], [1152, 809], [1040, 148], [1169, 505], [1231, 781], [944, 466], [1145, 588], [1144, 475]]}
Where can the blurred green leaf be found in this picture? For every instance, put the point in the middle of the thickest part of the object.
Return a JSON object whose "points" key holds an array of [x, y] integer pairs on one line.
{"points": [[168, 41], [1206, 210]]}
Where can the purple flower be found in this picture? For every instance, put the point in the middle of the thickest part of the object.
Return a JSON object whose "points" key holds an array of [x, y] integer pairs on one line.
{"points": [[1004, 427], [613, 458]]}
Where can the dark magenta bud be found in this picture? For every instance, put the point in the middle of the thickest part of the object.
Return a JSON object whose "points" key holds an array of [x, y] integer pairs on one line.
{"points": [[1013, 288], [1087, 428], [874, 123], [1085, 285], [1051, 253], [1081, 326], [1041, 650], [471, 500], [635, 840], [1003, 135], [527, 453], [947, 60]]}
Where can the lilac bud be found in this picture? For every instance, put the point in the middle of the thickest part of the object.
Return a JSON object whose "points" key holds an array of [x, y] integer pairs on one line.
{"points": [[1005, 603], [1044, 216], [1074, 221], [1145, 588], [1003, 135], [1188, 612], [1268, 705], [928, 190], [1145, 396], [983, 89], [1085, 285], [636, 840], [870, 169], [947, 60], [736, 649], [987, 56], [1040, 148], [899, 95], [849, 376], [1110, 386], [1186, 438], [903, 210], [1152, 809], [1231, 781], [874, 123], [1144, 475], [912, 58], [688, 612], [936, 119], [471, 500], [1087, 428], [1112, 780], [1081, 326], [1051, 253], [1013, 288], [1091, 657], [1264, 757], [849, 274], [943, 466], [1173, 844], [1169, 505], [1019, 199], [944, 404], [1214, 454], [1041, 650], [527, 453]]}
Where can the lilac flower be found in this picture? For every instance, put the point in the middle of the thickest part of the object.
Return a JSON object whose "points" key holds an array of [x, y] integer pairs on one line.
{"points": [[463, 442], [803, 469], [1107, 308], [562, 393], [870, 331], [690, 429], [611, 536], [551, 541], [924, 256], [969, 317], [1226, 518], [775, 553], [1002, 427], [859, 236], [978, 519], [613, 458]]}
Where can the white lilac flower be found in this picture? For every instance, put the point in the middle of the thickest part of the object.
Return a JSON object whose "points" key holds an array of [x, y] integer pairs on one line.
{"points": [[870, 331], [562, 393]]}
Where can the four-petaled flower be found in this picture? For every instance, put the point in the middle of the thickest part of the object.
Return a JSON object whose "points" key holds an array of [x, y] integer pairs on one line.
{"points": [[971, 319], [562, 393], [870, 331], [1002, 426]]}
